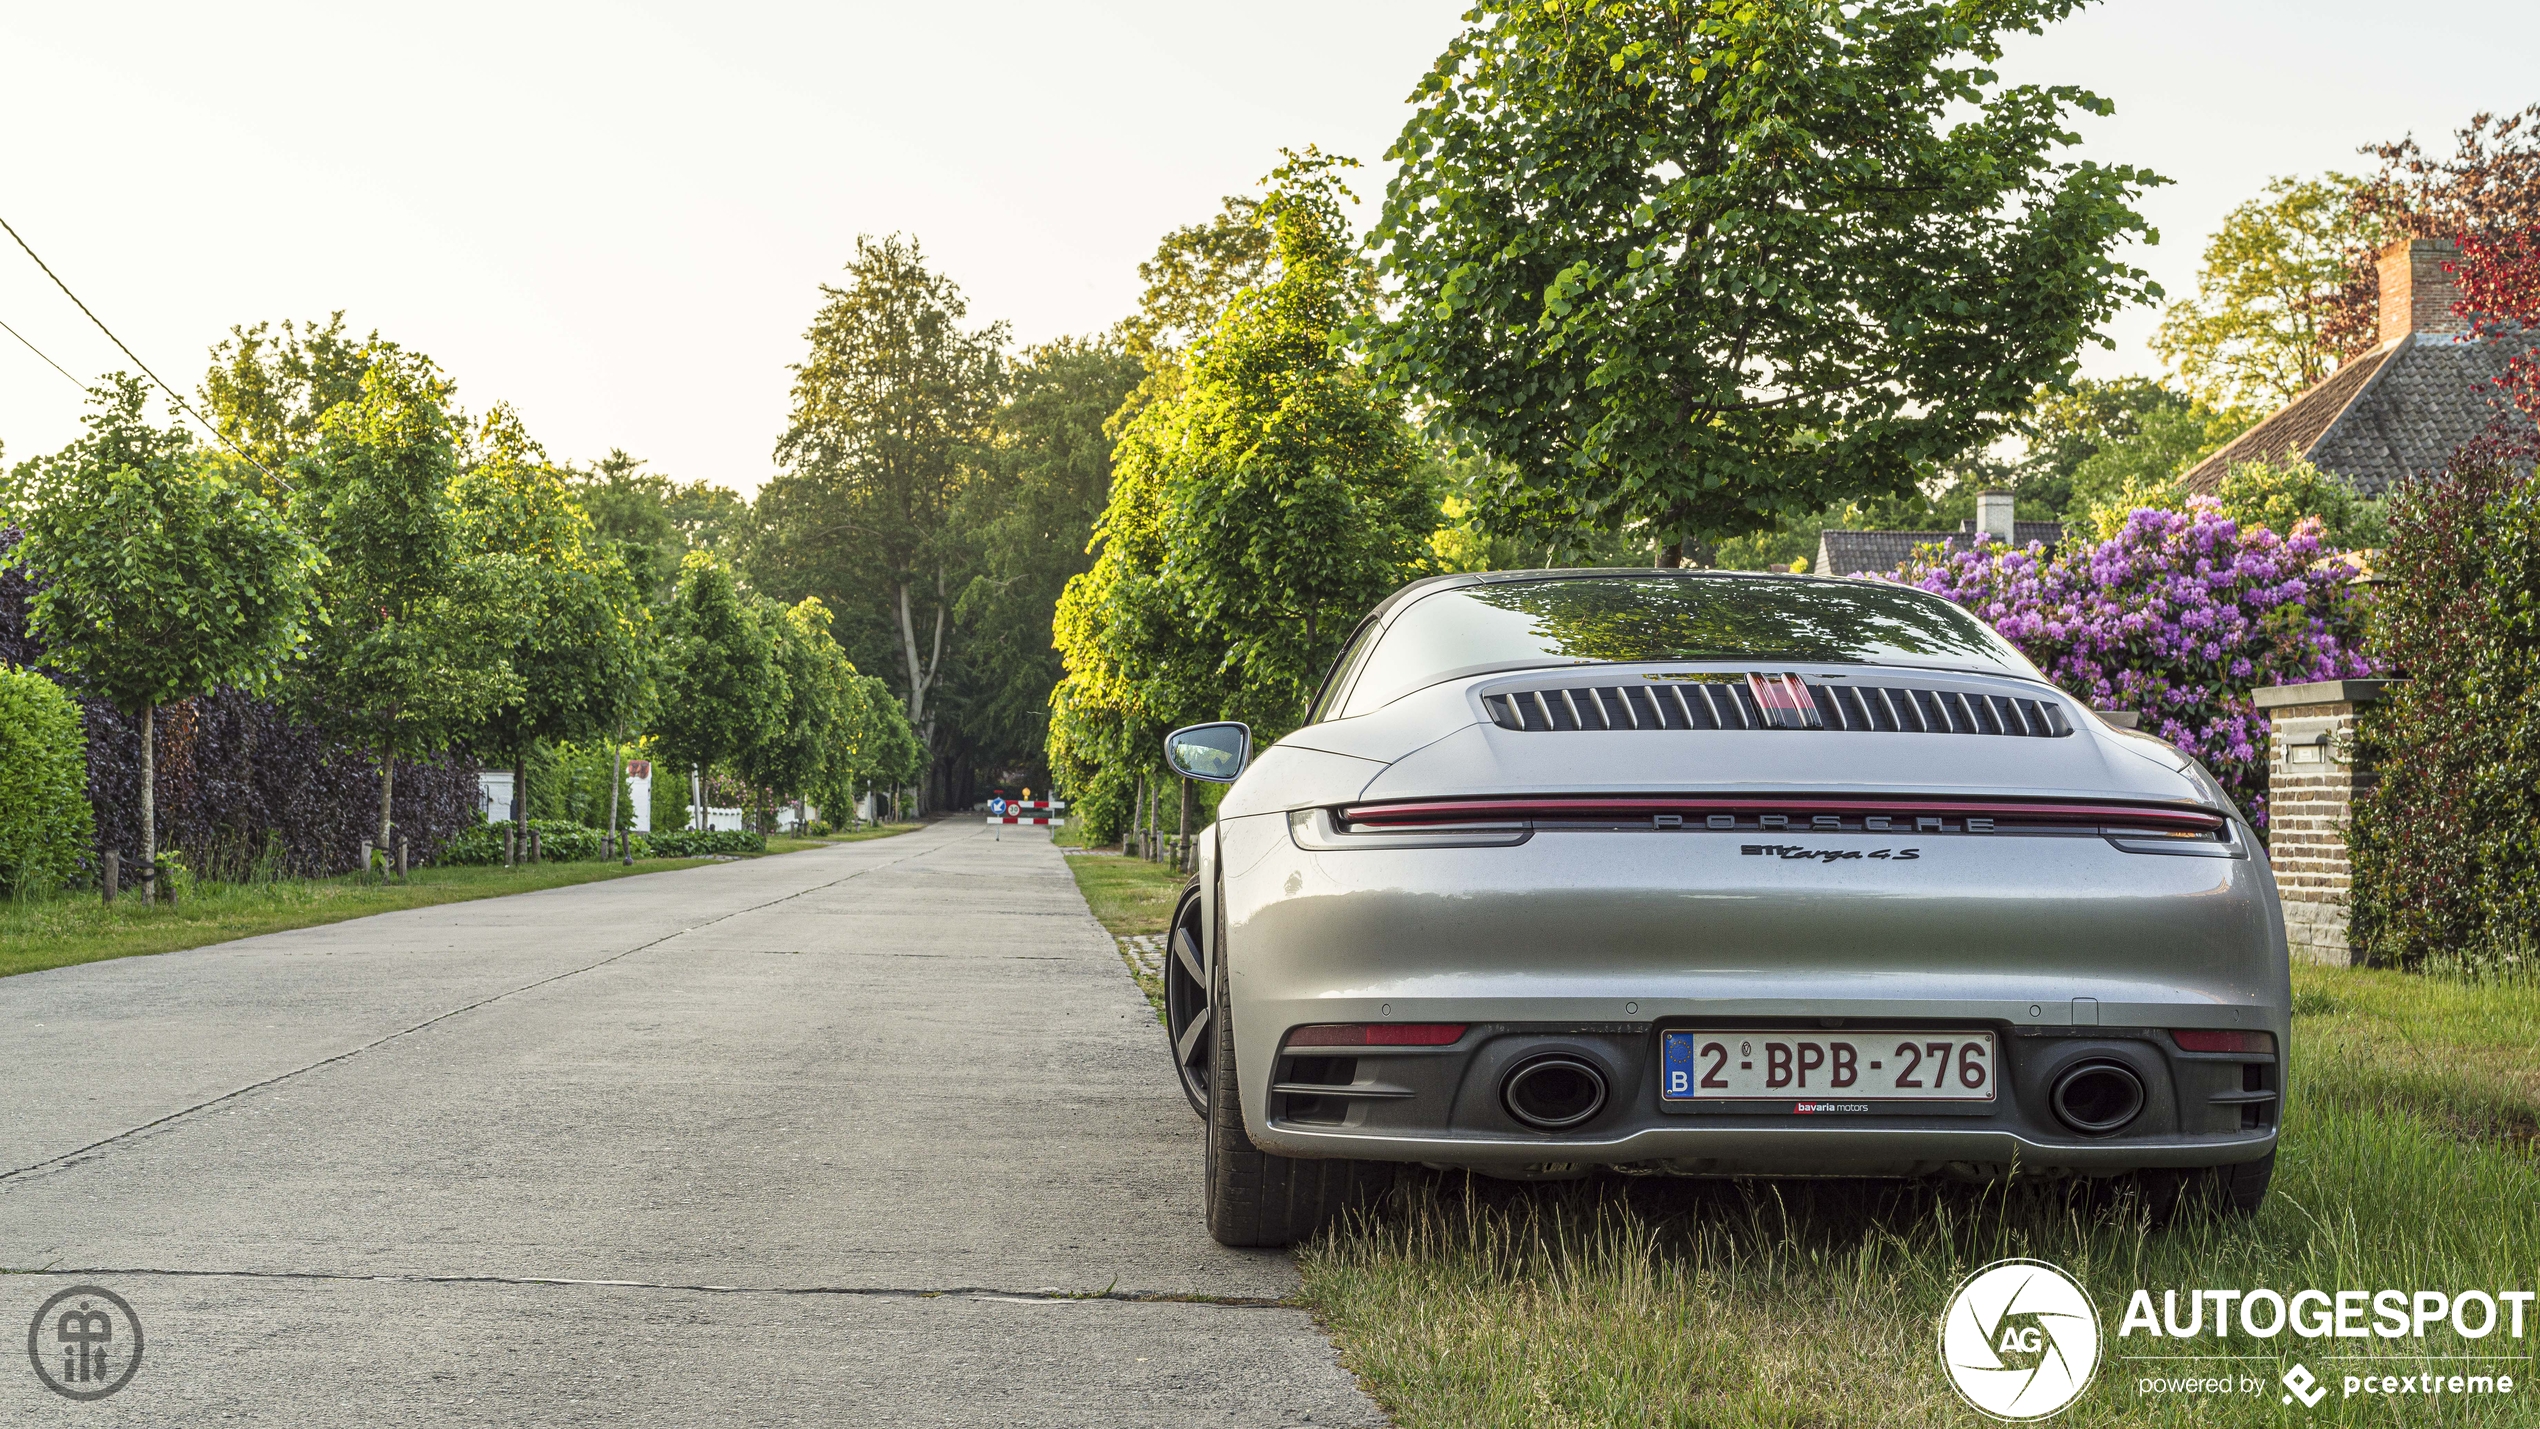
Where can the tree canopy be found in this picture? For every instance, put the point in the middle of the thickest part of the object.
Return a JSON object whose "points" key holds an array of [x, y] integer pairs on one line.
{"points": [[411, 656], [164, 574], [2255, 334], [1255, 513], [892, 408], [1694, 267]]}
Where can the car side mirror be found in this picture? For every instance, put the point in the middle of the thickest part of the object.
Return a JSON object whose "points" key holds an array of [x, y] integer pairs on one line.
{"points": [[1214, 752]]}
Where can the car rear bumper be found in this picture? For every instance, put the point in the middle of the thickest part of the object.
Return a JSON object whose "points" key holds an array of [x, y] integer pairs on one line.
{"points": [[1590, 944]]}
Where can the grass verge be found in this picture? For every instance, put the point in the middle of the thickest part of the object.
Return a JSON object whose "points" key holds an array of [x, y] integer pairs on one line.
{"points": [[2406, 1163], [1131, 897], [79, 928]]}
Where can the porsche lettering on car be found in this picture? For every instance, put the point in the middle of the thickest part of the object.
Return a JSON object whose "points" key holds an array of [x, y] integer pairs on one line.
{"points": [[1713, 874]]}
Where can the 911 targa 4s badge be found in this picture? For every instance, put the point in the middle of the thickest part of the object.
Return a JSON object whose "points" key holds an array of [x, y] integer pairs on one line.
{"points": [[1713, 874]]}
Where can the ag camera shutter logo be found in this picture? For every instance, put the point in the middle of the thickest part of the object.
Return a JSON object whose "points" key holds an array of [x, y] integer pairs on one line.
{"points": [[2020, 1340]]}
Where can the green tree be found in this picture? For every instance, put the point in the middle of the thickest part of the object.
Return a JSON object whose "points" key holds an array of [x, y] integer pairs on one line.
{"points": [[1693, 266], [819, 702], [1031, 512], [1255, 515], [891, 411], [267, 389], [580, 644], [722, 691], [411, 654], [164, 575], [2067, 426], [2143, 469], [2253, 334]]}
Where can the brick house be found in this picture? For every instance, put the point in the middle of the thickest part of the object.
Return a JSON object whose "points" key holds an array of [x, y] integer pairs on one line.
{"points": [[2399, 410]]}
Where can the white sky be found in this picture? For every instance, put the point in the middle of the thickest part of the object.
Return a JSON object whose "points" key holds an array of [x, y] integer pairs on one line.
{"points": [[616, 217]]}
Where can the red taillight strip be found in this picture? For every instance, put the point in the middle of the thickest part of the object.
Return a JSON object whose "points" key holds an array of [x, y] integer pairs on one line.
{"points": [[2223, 1040], [1377, 1034], [1466, 811]]}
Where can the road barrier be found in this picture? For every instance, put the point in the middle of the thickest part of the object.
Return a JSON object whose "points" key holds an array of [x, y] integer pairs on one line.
{"points": [[1039, 812]]}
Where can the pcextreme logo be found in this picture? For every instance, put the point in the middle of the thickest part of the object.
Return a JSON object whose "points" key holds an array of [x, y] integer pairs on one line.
{"points": [[2019, 1340]]}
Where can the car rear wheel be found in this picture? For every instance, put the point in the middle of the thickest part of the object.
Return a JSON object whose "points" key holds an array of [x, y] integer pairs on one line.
{"points": [[1187, 1015], [2211, 1191], [1256, 1198]]}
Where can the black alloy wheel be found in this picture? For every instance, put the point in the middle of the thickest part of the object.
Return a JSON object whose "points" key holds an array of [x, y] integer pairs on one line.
{"points": [[1188, 1015]]}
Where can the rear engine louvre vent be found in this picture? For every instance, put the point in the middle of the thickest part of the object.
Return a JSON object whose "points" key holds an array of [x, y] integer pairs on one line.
{"points": [[1774, 701]]}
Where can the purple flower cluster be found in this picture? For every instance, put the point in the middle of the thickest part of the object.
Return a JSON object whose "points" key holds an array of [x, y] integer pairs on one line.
{"points": [[2177, 617]]}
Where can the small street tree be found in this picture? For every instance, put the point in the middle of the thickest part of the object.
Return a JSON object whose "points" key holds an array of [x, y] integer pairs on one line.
{"points": [[411, 655], [579, 644], [1691, 267], [163, 574], [722, 691]]}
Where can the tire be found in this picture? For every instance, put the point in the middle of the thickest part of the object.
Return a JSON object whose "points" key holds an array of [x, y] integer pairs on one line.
{"points": [[1187, 1003], [1256, 1198], [2211, 1192], [2240, 1190]]}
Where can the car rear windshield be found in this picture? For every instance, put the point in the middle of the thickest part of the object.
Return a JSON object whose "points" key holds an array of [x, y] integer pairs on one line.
{"points": [[1620, 619]]}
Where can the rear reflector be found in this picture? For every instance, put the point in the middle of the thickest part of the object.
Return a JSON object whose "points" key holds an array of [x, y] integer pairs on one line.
{"points": [[1377, 1034], [2204, 1040]]}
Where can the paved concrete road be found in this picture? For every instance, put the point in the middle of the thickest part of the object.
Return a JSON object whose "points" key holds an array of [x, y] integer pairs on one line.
{"points": [[798, 1140]]}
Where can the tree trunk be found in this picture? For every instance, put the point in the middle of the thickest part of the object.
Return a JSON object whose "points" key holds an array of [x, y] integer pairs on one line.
{"points": [[617, 776], [1671, 556], [520, 786], [387, 793], [697, 793], [922, 672], [149, 796]]}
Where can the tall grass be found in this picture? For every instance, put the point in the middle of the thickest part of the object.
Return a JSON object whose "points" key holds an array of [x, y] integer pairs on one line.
{"points": [[1464, 1301]]}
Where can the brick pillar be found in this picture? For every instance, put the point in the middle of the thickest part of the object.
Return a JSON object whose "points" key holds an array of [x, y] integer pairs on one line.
{"points": [[2313, 780]]}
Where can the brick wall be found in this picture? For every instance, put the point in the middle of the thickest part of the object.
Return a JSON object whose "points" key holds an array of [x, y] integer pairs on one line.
{"points": [[2313, 779]]}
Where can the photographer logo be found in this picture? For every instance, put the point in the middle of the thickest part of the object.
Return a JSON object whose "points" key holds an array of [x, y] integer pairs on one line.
{"points": [[2019, 1340], [85, 1342]]}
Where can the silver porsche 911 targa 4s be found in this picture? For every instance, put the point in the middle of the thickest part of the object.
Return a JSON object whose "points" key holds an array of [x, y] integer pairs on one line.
{"points": [[1714, 874]]}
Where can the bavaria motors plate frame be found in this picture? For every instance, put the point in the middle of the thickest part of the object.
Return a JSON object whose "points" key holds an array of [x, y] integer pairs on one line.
{"points": [[1823, 1099]]}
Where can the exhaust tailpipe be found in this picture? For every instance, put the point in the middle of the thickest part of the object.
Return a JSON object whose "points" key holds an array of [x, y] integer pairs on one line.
{"points": [[1549, 1093], [2096, 1098]]}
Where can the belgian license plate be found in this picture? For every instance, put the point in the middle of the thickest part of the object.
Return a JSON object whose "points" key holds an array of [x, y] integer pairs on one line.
{"points": [[1782, 1065]]}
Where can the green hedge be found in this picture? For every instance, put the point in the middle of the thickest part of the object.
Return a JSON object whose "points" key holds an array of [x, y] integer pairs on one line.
{"points": [[2446, 849], [559, 841], [563, 841], [46, 827], [697, 843]]}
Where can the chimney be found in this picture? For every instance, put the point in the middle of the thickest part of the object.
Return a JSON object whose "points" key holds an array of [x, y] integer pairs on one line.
{"points": [[1993, 516], [2416, 294]]}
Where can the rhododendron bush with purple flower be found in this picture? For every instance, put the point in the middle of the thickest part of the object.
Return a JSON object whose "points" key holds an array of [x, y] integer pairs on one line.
{"points": [[2177, 617]]}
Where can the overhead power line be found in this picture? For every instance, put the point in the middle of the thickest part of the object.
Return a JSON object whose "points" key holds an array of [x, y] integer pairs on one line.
{"points": [[173, 395], [49, 362]]}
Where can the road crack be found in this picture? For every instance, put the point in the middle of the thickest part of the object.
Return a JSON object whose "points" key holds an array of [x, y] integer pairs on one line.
{"points": [[1043, 1295]]}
